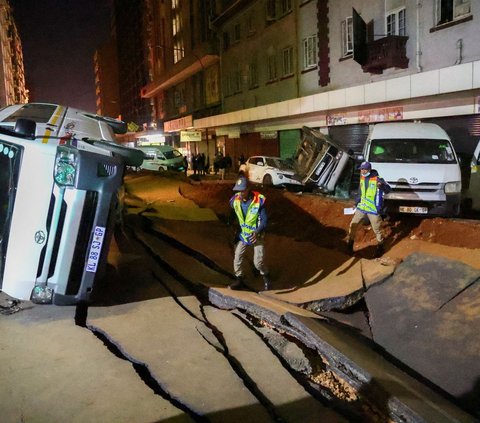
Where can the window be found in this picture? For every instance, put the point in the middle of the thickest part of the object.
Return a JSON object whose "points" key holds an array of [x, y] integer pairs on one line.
{"points": [[253, 75], [226, 41], [272, 68], [270, 10], [285, 6], [450, 10], [310, 52], [178, 50], [395, 23], [236, 33], [237, 79], [251, 23], [347, 37], [287, 62]]}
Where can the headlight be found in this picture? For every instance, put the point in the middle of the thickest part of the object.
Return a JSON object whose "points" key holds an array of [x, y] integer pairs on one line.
{"points": [[65, 167], [453, 187]]}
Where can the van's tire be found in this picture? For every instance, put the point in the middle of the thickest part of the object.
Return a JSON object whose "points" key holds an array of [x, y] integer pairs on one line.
{"points": [[131, 156], [267, 180]]}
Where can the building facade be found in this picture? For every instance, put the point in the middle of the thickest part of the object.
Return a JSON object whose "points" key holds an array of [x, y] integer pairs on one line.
{"points": [[184, 79], [12, 75], [107, 93], [129, 23], [355, 63]]}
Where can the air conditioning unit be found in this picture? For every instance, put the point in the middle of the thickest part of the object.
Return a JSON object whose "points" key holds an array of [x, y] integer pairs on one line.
{"points": [[462, 9]]}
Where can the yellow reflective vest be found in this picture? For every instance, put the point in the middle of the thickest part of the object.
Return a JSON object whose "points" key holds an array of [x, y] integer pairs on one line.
{"points": [[249, 222], [369, 199]]}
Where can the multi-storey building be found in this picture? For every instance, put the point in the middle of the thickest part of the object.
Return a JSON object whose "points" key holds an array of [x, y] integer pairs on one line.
{"points": [[12, 75], [129, 25], [343, 65], [106, 80], [184, 69]]}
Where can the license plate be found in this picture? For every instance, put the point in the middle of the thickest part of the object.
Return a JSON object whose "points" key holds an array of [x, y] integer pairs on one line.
{"points": [[419, 210], [95, 249]]}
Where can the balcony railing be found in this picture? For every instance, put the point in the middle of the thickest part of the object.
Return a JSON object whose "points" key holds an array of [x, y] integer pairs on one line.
{"points": [[387, 52]]}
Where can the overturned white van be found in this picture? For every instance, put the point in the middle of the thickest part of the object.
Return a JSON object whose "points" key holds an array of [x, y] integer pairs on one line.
{"points": [[60, 170], [319, 161], [419, 163]]}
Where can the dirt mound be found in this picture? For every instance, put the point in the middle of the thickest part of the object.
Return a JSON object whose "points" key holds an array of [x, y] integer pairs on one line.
{"points": [[321, 220]]}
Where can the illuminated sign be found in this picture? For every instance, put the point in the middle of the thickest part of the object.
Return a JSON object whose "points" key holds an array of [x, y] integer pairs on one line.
{"points": [[178, 124], [190, 136]]}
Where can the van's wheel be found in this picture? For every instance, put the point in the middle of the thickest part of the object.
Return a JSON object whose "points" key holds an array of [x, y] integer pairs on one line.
{"points": [[267, 180], [161, 169]]}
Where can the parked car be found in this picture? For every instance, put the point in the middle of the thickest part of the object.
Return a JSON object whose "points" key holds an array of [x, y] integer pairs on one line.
{"points": [[319, 161], [270, 171]]}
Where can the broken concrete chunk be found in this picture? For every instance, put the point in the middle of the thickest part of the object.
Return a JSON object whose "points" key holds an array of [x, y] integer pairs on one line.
{"points": [[376, 271], [427, 315], [340, 289]]}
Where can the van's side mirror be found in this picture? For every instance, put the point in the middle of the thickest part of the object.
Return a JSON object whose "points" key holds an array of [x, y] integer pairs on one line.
{"points": [[25, 128]]}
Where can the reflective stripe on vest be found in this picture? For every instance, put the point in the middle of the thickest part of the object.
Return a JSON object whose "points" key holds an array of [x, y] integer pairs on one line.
{"points": [[249, 223], [368, 196]]}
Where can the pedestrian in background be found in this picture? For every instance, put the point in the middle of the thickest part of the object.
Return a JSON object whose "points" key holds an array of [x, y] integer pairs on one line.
{"points": [[369, 204], [249, 208]]}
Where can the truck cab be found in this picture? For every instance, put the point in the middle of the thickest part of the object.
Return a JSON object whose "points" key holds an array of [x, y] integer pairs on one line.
{"points": [[60, 170]]}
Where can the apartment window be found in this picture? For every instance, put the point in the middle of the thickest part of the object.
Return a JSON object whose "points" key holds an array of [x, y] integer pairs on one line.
{"points": [[237, 79], [251, 23], [395, 22], [236, 33], [272, 68], [287, 62], [310, 52], [253, 75], [178, 47], [228, 84], [178, 50], [450, 10], [285, 6], [347, 37], [226, 40], [271, 12]]}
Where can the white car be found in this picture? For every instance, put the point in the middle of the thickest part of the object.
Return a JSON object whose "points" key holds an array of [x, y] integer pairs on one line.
{"points": [[270, 171]]}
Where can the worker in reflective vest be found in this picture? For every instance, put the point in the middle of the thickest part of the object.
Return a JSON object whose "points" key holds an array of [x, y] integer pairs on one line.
{"points": [[369, 205], [251, 215]]}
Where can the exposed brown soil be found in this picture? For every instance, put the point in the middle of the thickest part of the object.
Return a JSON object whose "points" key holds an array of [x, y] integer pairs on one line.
{"points": [[318, 219]]}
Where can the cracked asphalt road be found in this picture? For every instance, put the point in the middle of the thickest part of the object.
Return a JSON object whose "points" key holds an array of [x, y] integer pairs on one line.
{"points": [[152, 347]]}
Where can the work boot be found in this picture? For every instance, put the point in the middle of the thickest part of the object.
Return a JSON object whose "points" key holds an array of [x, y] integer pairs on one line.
{"points": [[266, 282], [379, 250], [238, 284], [350, 247]]}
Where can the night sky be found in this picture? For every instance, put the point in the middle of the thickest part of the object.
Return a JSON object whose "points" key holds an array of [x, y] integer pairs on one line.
{"points": [[59, 38]]}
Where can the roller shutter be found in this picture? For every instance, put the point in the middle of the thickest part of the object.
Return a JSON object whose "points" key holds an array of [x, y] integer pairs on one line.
{"points": [[350, 136]]}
